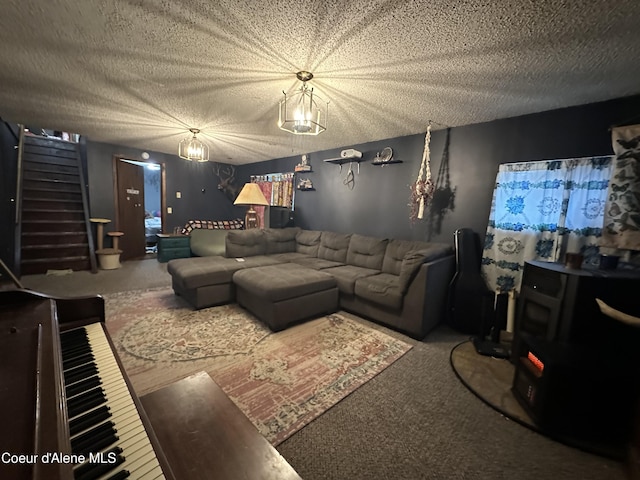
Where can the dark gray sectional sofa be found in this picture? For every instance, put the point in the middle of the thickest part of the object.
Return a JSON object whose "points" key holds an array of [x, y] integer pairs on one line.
{"points": [[398, 283]]}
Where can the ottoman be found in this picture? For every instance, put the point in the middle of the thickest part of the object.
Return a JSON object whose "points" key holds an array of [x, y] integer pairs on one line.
{"points": [[281, 295]]}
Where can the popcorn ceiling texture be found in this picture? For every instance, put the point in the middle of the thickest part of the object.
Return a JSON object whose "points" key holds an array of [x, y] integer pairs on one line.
{"points": [[139, 73]]}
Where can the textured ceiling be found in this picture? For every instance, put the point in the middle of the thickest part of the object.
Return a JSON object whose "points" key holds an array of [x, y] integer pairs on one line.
{"points": [[139, 73]]}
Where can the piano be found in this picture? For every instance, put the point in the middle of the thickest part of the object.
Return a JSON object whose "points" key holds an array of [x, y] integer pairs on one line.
{"points": [[69, 411]]}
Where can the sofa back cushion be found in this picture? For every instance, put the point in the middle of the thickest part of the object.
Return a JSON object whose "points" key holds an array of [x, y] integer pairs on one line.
{"points": [[307, 242], [366, 252], [281, 240], [403, 258], [422, 252], [333, 246], [245, 243], [206, 243], [396, 251]]}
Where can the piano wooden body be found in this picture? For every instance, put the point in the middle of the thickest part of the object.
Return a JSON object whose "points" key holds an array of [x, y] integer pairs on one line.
{"points": [[69, 411]]}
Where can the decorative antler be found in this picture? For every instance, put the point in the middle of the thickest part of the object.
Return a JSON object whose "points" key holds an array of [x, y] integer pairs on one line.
{"points": [[226, 174]]}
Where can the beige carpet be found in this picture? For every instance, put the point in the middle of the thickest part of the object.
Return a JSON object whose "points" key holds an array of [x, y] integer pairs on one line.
{"points": [[281, 381]]}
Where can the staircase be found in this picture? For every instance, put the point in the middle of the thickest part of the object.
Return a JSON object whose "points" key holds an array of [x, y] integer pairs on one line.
{"points": [[55, 232]]}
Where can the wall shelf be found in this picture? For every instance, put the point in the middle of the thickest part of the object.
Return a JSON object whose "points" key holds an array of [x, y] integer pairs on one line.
{"points": [[305, 189], [389, 162], [342, 160]]}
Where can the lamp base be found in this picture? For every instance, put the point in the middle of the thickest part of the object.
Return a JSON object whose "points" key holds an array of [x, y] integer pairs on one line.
{"points": [[251, 219]]}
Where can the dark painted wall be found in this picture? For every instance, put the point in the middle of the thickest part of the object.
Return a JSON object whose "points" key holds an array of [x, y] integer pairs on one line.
{"points": [[200, 200], [8, 164], [378, 203]]}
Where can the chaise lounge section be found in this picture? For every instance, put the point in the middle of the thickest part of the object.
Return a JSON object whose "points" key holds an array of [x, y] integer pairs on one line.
{"points": [[286, 275]]}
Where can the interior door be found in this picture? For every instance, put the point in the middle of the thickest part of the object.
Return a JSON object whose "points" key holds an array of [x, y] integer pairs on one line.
{"points": [[130, 219]]}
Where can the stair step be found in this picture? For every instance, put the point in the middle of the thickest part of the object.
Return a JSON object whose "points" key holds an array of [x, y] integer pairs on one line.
{"points": [[51, 194], [51, 185], [53, 226], [73, 263], [39, 199], [53, 238], [52, 215], [40, 167], [51, 245], [54, 252], [51, 177], [56, 260]]}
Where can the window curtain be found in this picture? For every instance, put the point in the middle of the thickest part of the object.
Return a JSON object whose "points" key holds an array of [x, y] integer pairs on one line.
{"points": [[540, 211], [622, 214], [277, 188]]}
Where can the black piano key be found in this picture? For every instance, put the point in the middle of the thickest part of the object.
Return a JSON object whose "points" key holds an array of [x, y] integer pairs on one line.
{"points": [[85, 401], [89, 419], [90, 470], [101, 469], [76, 374], [79, 337], [88, 441], [74, 351], [83, 385], [77, 361], [99, 444], [120, 475]]}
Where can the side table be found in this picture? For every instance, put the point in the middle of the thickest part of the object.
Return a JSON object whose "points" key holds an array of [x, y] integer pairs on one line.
{"points": [[172, 246]]}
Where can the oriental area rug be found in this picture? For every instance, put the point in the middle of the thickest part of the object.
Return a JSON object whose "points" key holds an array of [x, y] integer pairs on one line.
{"points": [[281, 381]]}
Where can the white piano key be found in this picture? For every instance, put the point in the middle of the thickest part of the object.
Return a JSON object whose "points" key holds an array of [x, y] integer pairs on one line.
{"points": [[140, 458]]}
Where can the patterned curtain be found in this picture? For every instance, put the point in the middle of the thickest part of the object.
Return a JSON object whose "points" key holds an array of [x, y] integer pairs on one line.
{"points": [[277, 189], [540, 211], [622, 215]]}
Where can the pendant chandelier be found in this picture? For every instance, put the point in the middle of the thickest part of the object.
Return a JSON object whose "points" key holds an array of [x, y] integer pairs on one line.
{"points": [[193, 149], [303, 113]]}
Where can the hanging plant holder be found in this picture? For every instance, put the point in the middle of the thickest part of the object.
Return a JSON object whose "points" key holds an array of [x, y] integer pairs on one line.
{"points": [[422, 189]]}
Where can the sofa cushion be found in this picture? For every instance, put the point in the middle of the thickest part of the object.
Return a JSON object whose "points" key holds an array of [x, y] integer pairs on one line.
{"points": [[206, 243], [333, 246], [315, 263], [283, 282], [383, 289], [198, 272], [307, 242], [245, 243], [398, 249], [281, 240], [395, 252], [366, 252], [289, 256], [347, 275]]}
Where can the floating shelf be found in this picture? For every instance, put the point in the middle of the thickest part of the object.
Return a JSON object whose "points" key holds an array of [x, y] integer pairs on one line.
{"points": [[305, 189], [389, 162], [343, 160]]}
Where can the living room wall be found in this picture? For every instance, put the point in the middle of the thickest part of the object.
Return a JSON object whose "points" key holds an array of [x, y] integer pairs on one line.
{"points": [[200, 197], [378, 203]]}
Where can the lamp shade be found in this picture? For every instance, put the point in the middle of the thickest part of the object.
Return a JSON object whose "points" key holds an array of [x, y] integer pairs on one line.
{"points": [[251, 195]]}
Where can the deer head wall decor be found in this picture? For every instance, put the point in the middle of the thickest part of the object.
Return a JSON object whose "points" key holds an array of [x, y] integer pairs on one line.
{"points": [[226, 174]]}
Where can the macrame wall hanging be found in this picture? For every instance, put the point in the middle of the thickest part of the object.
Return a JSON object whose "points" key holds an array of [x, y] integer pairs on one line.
{"points": [[443, 194], [422, 189]]}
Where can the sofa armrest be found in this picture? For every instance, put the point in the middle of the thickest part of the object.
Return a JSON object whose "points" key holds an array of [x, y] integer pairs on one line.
{"points": [[425, 301]]}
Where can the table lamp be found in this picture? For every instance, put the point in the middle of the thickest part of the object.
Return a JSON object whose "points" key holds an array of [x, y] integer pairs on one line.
{"points": [[251, 195]]}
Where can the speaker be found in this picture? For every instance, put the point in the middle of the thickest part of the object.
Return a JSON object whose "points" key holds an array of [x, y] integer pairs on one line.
{"points": [[469, 298]]}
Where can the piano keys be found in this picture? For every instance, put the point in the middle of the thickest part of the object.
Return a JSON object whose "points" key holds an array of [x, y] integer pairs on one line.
{"points": [[64, 396], [117, 431]]}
